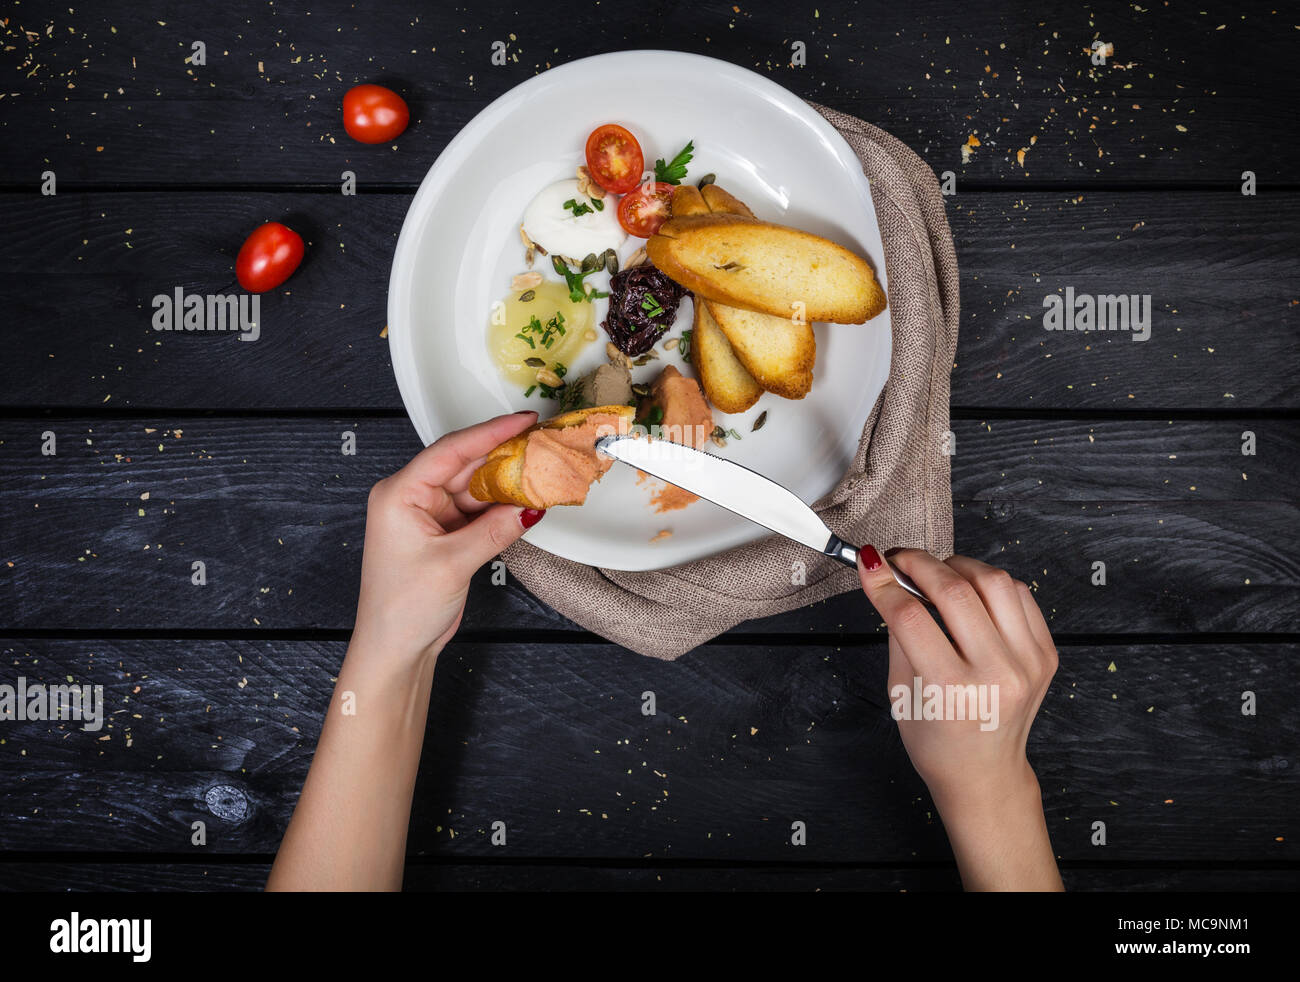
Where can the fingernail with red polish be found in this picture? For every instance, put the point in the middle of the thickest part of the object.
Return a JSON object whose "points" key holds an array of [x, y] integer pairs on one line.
{"points": [[870, 558], [524, 412], [531, 516]]}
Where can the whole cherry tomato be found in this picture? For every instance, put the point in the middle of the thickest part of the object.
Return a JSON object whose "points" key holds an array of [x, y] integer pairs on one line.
{"points": [[374, 114], [643, 210], [268, 257]]}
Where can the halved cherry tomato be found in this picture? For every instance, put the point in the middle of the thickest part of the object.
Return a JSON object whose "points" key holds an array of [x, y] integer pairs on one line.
{"points": [[268, 257], [614, 158], [642, 211], [374, 114]]}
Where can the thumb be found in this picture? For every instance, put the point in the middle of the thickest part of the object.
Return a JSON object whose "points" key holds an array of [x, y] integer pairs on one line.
{"points": [[489, 534]]}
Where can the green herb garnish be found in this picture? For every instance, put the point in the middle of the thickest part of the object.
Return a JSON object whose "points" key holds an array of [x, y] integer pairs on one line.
{"points": [[578, 209], [555, 391], [684, 345], [577, 291], [651, 305], [672, 173]]}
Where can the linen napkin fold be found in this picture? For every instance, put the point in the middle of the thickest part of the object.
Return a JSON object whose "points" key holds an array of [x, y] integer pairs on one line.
{"points": [[897, 492]]}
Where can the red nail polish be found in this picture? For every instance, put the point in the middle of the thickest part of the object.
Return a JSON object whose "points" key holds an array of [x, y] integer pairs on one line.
{"points": [[524, 412], [531, 516], [870, 558]]}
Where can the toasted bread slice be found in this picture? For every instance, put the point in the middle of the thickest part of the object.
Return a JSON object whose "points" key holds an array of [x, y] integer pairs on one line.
{"points": [[778, 352], [725, 380], [771, 269], [724, 201], [687, 200], [501, 478]]}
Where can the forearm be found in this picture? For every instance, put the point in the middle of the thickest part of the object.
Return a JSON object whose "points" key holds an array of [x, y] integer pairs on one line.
{"points": [[348, 831], [1001, 841]]}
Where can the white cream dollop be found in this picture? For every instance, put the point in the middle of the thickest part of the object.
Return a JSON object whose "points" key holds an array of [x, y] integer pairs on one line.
{"points": [[560, 232]]}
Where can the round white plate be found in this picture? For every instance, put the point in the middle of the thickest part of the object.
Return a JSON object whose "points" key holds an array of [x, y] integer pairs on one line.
{"points": [[460, 247]]}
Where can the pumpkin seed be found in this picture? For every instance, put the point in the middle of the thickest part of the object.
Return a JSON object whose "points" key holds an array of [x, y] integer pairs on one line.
{"points": [[611, 262], [706, 180], [528, 295], [591, 263], [718, 433], [640, 389], [758, 423], [535, 362]]}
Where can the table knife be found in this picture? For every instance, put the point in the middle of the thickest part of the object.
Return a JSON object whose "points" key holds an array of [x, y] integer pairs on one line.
{"points": [[738, 489]]}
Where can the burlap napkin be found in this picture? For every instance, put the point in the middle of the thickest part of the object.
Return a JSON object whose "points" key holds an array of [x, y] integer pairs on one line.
{"points": [[896, 493]]}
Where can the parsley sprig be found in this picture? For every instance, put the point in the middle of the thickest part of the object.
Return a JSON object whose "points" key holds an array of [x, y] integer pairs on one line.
{"points": [[673, 172]]}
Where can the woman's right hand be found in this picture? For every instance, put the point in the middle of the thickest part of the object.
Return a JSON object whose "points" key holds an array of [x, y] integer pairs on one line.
{"points": [[976, 768]]}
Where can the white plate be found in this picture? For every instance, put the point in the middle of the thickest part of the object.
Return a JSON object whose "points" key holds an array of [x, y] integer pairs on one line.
{"points": [[460, 246]]}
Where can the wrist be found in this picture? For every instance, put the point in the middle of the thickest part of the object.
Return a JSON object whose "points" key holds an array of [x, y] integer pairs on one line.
{"points": [[987, 798]]}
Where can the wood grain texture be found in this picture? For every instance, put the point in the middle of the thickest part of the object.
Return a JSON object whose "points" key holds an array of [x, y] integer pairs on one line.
{"points": [[106, 94], [1219, 269], [1149, 739], [276, 513]]}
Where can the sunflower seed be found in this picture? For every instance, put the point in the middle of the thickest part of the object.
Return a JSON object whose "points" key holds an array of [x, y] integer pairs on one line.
{"points": [[588, 186], [671, 343], [548, 377], [523, 281]]}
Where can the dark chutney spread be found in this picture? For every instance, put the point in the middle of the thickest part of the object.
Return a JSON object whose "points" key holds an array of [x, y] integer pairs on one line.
{"points": [[642, 307]]}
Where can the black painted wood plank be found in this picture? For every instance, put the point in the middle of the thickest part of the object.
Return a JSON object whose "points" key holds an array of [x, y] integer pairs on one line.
{"points": [[1188, 95], [1149, 739], [166, 877], [277, 513], [78, 273]]}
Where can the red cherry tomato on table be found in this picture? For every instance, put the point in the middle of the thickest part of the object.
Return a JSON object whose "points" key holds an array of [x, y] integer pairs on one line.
{"points": [[374, 114], [268, 257], [614, 158], [642, 211]]}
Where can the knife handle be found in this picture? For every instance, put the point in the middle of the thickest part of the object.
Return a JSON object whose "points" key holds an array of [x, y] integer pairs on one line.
{"points": [[841, 551]]}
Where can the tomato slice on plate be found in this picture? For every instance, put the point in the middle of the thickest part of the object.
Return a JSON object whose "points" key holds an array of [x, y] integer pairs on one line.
{"points": [[614, 158], [642, 211]]}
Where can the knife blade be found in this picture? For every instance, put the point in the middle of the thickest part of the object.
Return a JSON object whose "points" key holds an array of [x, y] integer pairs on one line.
{"points": [[740, 490]]}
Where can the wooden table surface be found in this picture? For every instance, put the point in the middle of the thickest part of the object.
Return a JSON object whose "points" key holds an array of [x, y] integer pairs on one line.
{"points": [[1071, 449]]}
